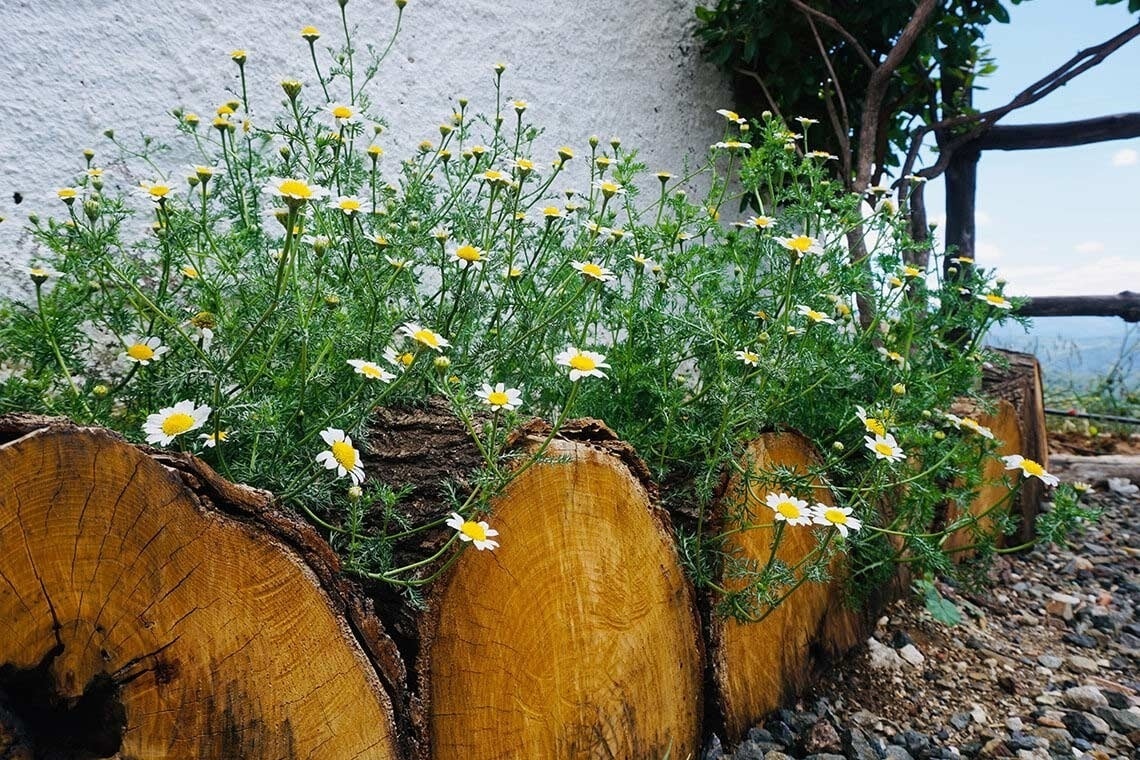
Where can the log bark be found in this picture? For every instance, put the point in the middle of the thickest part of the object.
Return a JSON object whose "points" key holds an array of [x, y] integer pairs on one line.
{"points": [[994, 494], [1021, 384], [578, 637], [1096, 470], [153, 610], [756, 667]]}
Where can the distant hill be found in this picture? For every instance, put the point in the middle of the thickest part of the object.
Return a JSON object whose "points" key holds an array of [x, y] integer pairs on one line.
{"points": [[1076, 350]]}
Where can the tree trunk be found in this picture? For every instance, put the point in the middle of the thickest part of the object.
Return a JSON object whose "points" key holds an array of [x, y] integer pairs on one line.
{"points": [[758, 666], [1020, 383], [153, 610], [994, 495], [578, 637]]}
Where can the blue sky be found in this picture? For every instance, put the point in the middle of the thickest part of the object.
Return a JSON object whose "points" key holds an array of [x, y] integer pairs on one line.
{"points": [[1061, 221]]}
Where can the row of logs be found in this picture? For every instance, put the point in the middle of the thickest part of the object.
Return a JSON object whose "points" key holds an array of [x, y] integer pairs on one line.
{"points": [[151, 609]]}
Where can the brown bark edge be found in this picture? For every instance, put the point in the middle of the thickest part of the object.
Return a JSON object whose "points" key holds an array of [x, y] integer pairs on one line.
{"points": [[1021, 384], [155, 610]]}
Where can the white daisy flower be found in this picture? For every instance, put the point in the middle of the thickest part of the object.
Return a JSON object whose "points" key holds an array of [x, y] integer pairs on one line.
{"points": [[371, 370], [582, 363], [593, 271], [789, 509], [173, 421], [872, 424], [1029, 468], [748, 356], [295, 191], [966, 423], [814, 316], [341, 455], [143, 350], [478, 533], [731, 115], [836, 517], [801, 245], [349, 205], [343, 113], [210, 440], [885, 447], [424, 336], [468, 256], [996, 300], [500, 397]]}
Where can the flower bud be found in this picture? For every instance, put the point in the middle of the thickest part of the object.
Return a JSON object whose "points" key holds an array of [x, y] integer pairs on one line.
{"points": [[898, 389], [91, 209], [355, 493], [292, 88], [100, 391], [838, 446], [441, 363], [939, 435], [593, 141]]}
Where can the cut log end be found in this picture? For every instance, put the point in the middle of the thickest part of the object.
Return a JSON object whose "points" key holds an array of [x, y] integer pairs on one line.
{"points": [[759, 666], [578, 637], [145, 621]]}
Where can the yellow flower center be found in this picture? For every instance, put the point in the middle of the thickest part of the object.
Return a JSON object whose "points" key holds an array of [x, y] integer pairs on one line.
{"points": [[911, 271], [1029, 467], [498, 398], [762, 221], [583, 363], [474, 531], [407, 358], [177, 423], [609, 188], [158, 191], [469, 253], [66, 192], [344, 454], [875, 426], [342, 112], [593, 270], [801, 243], [883, 449], [748, 356], [349, 204], [372, 371], [815, 316], [190, 272], [788, 509], [141, 352], [995, 299], [427, 337], [835, 516], [295, 188], [551, 211]]}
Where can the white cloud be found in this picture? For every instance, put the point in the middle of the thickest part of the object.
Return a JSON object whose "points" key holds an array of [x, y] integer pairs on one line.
{"points": [[1091, 277], [1125, 157], [982, 218], [1090, 247], [987, 253]]}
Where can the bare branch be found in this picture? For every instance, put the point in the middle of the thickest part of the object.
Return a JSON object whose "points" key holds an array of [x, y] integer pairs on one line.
{"points": [[1060, 76], [830, 21], [877, 90], [764, 89], [1062, 134], [840, 122]]}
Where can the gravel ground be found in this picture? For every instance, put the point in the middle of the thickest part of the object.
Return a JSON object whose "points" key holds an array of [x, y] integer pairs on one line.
{"points": [[1046, 664]]}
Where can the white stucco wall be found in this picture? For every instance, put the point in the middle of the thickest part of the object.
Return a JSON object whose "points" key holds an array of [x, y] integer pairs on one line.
{"points": [[73, 68]]}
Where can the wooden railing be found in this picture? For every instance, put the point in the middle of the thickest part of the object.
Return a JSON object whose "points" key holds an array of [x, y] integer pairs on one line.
{"points": [[1125, 305]]}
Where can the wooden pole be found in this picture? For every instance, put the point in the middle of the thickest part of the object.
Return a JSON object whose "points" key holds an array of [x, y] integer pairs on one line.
{"points": [[1125, 305]]}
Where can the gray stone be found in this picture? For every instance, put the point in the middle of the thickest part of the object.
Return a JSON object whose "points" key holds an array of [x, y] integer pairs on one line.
{"points": [[1086, 725], [748, 750], [960, 721], [882, 657], [1081, 664], [1059, 739], [822, 738], [978, 713], [856, 746], [1124, 721], [1050, 661], [895, 752], [1084, 698], [911, 654], [777, 755]]}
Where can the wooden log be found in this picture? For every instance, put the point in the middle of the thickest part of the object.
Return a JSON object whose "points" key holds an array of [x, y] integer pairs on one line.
{"points": [[1125, 305], [1020, 383], [1062, 134], [1096, 470], [994, 495], [578, 637], [756, 667], [152, 610]]}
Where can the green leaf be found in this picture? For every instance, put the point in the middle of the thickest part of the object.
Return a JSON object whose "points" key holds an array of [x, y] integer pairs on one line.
{"points": [[941, 608], [1000, 14]]}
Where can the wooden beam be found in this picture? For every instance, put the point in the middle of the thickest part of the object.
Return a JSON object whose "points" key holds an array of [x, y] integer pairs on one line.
{"points": [[1125, 305], [1121, 126]]}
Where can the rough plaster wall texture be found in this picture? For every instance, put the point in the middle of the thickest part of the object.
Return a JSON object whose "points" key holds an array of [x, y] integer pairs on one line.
{"points": [[73, 68]]}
